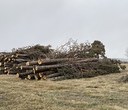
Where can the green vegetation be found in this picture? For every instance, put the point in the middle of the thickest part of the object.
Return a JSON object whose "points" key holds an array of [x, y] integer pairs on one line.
{"points": [[97, 49]]}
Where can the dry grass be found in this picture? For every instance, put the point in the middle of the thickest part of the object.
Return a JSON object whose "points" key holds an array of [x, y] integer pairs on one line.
{"points": [[99, 93]]}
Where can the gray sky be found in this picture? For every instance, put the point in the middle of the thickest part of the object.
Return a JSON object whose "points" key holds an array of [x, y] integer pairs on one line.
{"points": [[29, 22]]}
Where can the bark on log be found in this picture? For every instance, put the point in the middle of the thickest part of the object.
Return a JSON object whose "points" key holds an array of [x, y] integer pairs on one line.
{"points": [[25, 74], [20, 64], [30, 63], [26, 67], [43, 68], [45, 73], [10, 64], [49, 61], [20, 60], [52, 61], [13, 71], [21, 55]]}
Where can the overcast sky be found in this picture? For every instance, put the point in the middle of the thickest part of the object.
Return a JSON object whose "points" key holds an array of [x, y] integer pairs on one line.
{"points": [[29, 22]]}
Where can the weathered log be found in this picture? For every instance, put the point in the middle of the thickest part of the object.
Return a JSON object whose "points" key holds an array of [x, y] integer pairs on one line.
{"points": [[45, 73], [25, 74], [8, 64], [52, 61], [26, 67], [48, 67], [13, 71], [20, 60], [21, 55], [49, 61], [41, 61], [20, 64], [30, 63]]}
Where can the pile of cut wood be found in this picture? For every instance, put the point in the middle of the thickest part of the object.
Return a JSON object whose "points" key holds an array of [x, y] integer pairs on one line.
{"points": [[41, 62], [54, 69], [10, 61]]}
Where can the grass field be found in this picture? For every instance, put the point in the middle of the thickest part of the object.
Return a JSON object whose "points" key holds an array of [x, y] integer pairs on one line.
{"points": [[98, 93]]}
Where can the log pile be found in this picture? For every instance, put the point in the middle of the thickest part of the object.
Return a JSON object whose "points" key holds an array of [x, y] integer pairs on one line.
{"points": [[54, 69], [41, 62], [9, 61]]}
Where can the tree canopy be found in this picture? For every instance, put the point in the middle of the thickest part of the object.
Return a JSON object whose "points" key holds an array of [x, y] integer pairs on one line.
{"points": [[97, 49]]}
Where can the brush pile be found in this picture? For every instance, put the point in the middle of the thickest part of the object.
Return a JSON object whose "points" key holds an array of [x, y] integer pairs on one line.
{"points": [[42, 62]]}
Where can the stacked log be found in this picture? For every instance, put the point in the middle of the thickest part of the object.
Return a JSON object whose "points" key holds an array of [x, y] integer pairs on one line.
{"points": [[48, 68], [24, 67], [9, 62], [13, 62], [71, 60]]}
